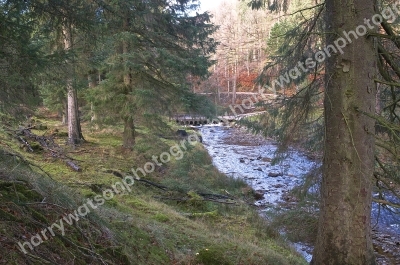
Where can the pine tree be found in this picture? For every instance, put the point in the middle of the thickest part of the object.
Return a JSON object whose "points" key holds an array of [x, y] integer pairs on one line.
{"points": [[58, 25], [344, 232], [350, 105], [151, 49], [20, 59]]}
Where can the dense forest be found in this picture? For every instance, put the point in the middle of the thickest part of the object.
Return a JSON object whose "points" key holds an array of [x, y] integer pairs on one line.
{"points": [[96, 166]]}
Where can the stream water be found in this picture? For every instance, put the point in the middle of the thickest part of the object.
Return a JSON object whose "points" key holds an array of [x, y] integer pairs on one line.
{"points": [[242, 155]]}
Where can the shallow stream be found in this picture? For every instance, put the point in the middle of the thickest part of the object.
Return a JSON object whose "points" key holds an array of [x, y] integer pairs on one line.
{"points": [[243, 155]]}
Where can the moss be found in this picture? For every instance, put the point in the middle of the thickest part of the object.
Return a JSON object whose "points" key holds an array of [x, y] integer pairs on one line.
{"points": [[36, 147], [41, 127], [137, 203], [62, 134], [160, 217], [112, 203], [213, 256]]}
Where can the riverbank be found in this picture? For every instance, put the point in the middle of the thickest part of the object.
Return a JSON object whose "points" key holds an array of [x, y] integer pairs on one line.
{"points": [[287, 193], [185, 212]]}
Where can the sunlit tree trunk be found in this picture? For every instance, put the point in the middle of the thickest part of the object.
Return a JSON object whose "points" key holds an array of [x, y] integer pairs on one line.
{"points": [[344, 232]]}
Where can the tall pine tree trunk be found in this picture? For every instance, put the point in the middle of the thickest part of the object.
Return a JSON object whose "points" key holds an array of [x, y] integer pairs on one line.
{"points": [[129, 134], [74, 128], [344, 231]]}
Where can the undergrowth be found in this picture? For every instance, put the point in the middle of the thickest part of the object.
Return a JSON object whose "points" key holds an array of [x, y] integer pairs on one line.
{"points": [[199, 216]]}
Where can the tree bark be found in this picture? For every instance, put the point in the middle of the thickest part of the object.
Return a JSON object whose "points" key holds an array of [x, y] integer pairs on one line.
{"points": [[64, 113], [74, 128], [129, 133], [344, 231], [92, 84], [234, 82]]}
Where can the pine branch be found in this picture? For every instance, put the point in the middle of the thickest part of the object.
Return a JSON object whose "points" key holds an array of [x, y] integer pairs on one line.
{"points": [[392, 35], [386, 55], [386, 203], [303, 9], [387, 83]]}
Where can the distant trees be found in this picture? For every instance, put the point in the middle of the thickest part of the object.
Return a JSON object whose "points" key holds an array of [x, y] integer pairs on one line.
{"points": [[242, 34], [20, 58]]}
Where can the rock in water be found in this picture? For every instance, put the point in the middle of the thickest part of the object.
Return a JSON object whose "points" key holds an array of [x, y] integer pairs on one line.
{"points": [[274, 174]]}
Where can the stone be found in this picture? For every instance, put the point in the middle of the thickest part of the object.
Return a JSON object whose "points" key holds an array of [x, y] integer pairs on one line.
{"points": [[274, 174]]}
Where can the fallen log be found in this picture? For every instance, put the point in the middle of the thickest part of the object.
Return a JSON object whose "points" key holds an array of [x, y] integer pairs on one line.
{"points": [[25, 143], [73, 166], [213, 195], [153, 184], [188, 199], [45, 143]]}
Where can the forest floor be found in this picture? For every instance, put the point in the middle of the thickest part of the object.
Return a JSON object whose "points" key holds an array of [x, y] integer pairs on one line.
{"points": [[185, 212]]}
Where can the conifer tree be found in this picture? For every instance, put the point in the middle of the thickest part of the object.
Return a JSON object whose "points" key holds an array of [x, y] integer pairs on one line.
{"points": [[151, 49], [350, 104], [20, 59]]}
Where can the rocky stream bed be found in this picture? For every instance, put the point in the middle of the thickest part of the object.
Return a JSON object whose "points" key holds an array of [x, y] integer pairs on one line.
{"points": [[243, 155]]}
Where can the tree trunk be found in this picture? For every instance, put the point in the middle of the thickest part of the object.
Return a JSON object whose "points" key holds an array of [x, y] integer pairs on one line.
{"points": [[344, 231], [129, 133], [74, 131], [92, 84], [234, 86], [64, 113]]}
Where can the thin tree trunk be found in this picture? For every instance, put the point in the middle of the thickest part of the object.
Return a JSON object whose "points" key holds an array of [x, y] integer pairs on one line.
{"points": [[344, 231], [78, 115], [234, 82], [92, 85], [64, 117], [74, 130], [129, 133]]}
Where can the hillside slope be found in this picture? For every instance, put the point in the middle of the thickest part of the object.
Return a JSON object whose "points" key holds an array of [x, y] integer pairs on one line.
{"points": [[184, 212]]}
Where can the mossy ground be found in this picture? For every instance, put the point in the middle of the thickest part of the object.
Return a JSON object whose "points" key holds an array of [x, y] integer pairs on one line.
{"points": [[145, 226]]}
